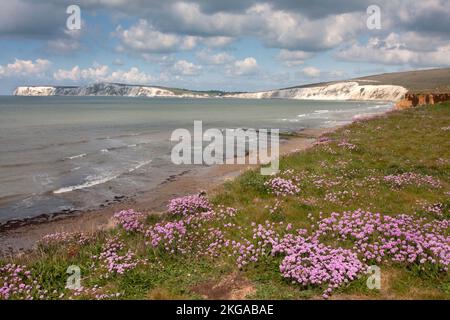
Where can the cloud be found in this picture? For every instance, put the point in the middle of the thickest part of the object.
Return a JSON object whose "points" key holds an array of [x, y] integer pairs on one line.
{"points": [[25, 68], [102, 73], [143, 37], [245, 67], [31, 19], [398, 50], [63, 45], [186, 68], [220, 58], [311, 72], [217, 42], [118, 62], [292, 58], [276, 28], [131, 76]]}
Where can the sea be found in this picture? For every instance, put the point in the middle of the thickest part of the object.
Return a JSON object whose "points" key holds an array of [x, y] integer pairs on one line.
{"points": [[62, 154]]}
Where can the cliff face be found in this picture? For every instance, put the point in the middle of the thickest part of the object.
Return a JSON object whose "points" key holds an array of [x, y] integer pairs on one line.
{"points": [[104, 89], [337, 91], [420, 99]]}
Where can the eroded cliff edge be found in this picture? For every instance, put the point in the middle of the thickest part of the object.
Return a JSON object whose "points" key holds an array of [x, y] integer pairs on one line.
{"points": [[411, 99]]}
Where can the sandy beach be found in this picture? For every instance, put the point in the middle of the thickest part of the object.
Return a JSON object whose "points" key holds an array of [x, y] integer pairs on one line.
{"points": [[19, 237]]}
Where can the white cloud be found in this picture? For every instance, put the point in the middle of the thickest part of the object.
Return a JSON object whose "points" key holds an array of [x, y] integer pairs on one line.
{"points": [[217, 42], [312, 72], [293, 57], [396, 49], [247, 66], [186, 68], [208, 57], [102, 73], [68, 43], [131, 76], [143, 37], [277, 28], [63, 45], [22, 68]]}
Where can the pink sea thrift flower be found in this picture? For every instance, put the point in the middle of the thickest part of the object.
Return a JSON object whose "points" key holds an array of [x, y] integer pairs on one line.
{"points": [[189, 205], [130, 220], [282, 187]]}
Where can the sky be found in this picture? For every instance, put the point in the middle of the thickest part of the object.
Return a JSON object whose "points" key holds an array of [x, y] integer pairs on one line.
{"points": [[232, 45]]}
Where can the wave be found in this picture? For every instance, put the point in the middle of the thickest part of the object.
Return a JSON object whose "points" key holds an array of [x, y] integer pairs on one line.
{"points": [[82, 155], [140, 165], [133, 145], [96, 180], [119, 136], [90, 183]]}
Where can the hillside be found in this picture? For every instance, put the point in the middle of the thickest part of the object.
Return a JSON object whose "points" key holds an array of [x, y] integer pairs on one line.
{"points": [[430, 81], [433, 80]]}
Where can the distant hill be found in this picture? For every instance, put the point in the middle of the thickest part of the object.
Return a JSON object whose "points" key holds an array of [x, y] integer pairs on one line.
{"points": [[430, 81], [434, 80]]}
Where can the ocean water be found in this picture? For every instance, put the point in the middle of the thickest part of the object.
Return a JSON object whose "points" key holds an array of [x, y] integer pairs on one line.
{"points": [[74, 153]]}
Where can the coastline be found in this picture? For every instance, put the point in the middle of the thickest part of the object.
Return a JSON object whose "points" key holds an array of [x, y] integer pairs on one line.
{"points": [[20, 236]]}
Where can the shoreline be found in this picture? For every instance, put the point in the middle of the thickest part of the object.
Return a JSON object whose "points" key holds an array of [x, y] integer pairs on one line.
{"points": [[20, 236]]}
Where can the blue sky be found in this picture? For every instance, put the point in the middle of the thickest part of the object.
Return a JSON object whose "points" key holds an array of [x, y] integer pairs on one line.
{"points": [[243, 45]]}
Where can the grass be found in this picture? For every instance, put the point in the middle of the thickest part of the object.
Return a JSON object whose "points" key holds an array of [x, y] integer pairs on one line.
{"points": [[401, 141]]}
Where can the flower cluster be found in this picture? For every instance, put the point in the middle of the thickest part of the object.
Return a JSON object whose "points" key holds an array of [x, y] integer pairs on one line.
{"points": [[95, 292], [167, 234], [130, 220], [309, 262], [347, 145], [282, 187], [17, 282], [412, 178], [322, 140], [189, 205], [435, 208], [339, 196], [189, 235], [380, 238], [306, 260], [115, 258], [64, 238], [263, 239]]}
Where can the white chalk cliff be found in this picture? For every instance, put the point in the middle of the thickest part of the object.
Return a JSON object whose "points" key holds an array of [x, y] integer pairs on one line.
{"points": [[337, 91], [350, 90], [106, 89]]}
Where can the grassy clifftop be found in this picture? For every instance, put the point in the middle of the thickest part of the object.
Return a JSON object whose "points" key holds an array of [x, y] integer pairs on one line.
{"points": [[373, 193], [419, 81]]}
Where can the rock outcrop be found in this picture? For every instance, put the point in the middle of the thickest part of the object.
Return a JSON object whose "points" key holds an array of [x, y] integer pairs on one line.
{"points": [[420, 99]]}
